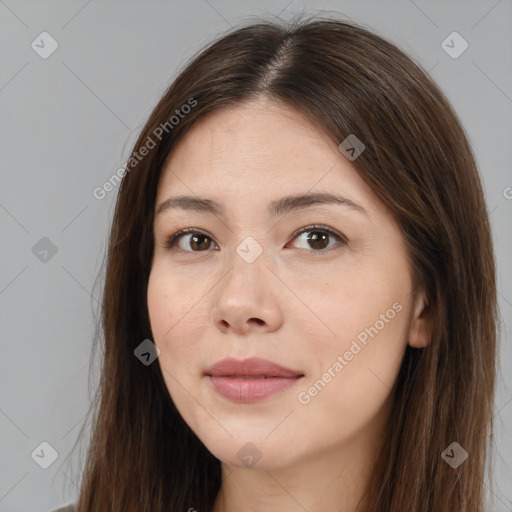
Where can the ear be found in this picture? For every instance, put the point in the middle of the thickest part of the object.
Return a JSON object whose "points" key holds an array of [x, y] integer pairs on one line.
{"points": [[419, 330]]}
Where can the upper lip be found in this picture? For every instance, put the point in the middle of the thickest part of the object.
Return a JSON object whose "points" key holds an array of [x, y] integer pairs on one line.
{"points": [[253, 366]]}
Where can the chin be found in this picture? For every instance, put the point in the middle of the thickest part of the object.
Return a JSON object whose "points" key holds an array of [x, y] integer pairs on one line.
{"points": [[251, 452]]}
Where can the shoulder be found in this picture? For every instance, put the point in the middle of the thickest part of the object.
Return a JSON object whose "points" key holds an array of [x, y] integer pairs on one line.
{"points": [[67, 508]]}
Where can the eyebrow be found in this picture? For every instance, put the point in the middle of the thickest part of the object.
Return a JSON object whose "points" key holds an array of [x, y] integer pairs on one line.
{"points": [[278, 207]]}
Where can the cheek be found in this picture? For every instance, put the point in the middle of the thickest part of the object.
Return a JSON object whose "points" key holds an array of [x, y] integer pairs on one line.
{"points": [[174, 299], [174, 331], [364, 336], [350, 381], [350, 303], [174, 315]]}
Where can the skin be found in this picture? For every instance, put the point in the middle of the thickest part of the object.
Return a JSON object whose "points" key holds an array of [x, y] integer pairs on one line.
{"points": [[294, 305]]}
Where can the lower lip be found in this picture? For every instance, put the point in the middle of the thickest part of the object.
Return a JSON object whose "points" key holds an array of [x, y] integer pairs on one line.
{"points": [[243, 390]]}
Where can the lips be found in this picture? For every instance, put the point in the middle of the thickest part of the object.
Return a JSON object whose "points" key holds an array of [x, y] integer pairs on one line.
{"points": [[250, 380], [254, 367]]}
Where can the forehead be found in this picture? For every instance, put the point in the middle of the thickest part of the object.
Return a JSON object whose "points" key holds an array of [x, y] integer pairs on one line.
{"points": [[256, 152], [251, 136]]}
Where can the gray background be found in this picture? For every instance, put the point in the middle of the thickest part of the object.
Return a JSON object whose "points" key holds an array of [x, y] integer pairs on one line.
{"points": [[67, 123]]}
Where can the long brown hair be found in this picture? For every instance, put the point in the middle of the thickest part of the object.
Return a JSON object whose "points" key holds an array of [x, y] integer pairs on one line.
{"points": [[142, 456]]}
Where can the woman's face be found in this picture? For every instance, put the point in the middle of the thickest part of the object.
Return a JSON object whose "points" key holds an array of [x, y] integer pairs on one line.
{"points": [[333, 303]]}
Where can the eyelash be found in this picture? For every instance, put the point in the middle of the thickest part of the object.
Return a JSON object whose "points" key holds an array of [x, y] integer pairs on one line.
{"points": [[342, 241]]}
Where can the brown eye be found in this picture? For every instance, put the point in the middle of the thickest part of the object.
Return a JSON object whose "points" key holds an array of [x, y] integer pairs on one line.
{"points": [[318, 238], [197, 241], [200, 242]]}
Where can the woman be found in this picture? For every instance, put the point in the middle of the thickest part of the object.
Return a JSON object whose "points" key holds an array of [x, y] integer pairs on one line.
{"points": [[299, 310]]}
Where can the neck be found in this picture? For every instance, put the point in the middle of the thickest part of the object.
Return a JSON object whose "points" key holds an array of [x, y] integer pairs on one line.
{"points": [[332, 481]]}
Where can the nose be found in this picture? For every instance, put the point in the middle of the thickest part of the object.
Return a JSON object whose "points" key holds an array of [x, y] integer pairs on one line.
{"points": [[247, 298]]}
